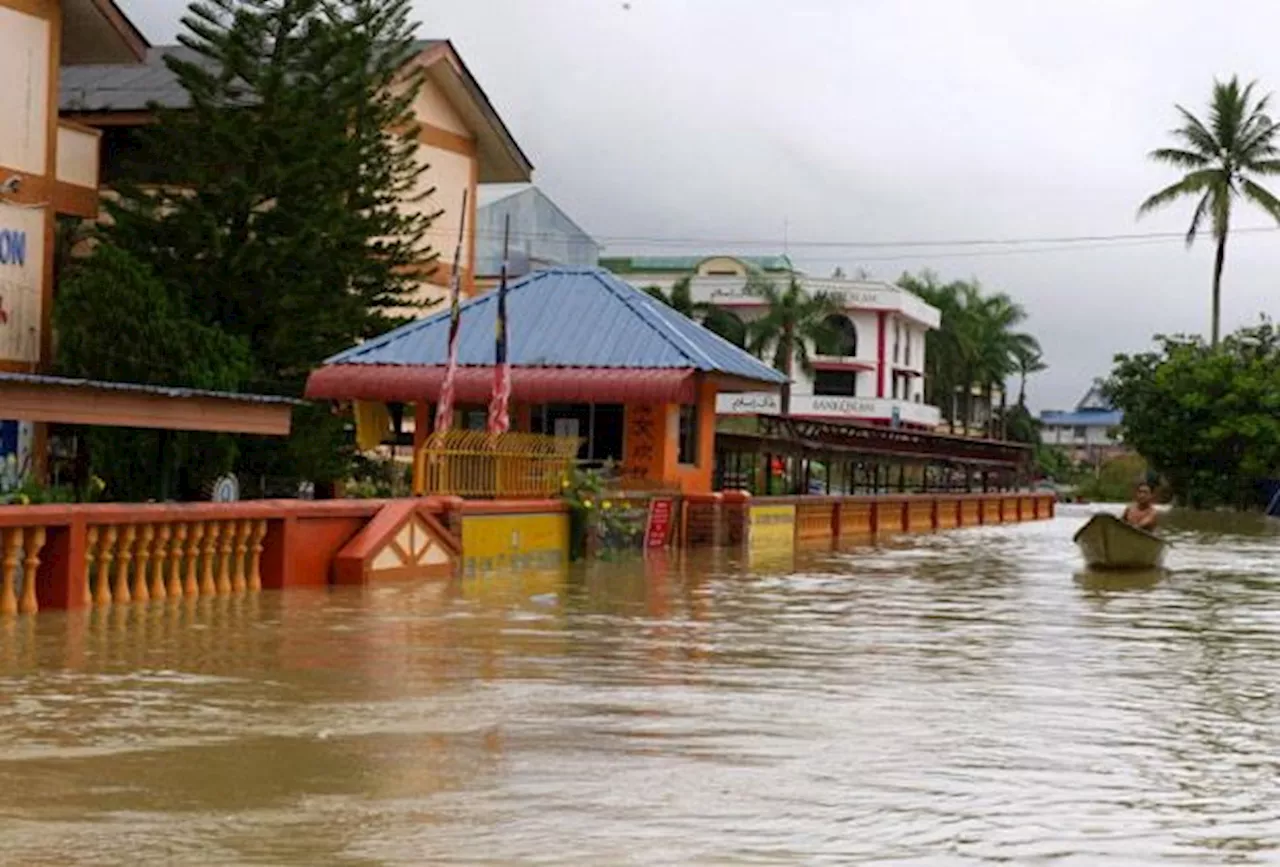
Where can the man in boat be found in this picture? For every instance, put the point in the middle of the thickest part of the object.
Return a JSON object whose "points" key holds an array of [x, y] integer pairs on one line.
{"points": [[1142, 514]]}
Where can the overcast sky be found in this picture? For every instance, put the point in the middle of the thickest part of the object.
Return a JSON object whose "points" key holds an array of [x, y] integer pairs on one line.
{"points": [[785, 123]]}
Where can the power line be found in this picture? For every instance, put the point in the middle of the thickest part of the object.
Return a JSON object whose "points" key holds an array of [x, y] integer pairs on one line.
{"points": [[996, 247]]}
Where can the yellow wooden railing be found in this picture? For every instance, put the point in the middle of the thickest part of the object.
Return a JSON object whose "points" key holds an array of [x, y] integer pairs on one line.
{"points": [[478, 464]]}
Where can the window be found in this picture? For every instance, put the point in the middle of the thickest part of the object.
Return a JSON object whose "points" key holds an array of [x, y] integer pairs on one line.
{"points": [[1080, 431], [841, 338], [835, 383], [599, 425], [897, 336], [908, 359], [688, 435]]}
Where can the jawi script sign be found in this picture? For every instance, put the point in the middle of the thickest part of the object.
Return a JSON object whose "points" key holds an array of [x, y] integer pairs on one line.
{"points": [[21, 283]]}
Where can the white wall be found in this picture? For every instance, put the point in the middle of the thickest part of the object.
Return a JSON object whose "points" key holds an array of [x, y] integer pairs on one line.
{"points": [[1065, 435], [24, 92]]}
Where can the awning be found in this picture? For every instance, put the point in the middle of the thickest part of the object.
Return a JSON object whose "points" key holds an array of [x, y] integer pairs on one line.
{"points": [[409, 383], [59, 400], [836, 363]]}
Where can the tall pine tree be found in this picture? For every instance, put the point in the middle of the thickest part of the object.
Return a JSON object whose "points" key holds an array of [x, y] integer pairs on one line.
{"points": [[280, 214]]}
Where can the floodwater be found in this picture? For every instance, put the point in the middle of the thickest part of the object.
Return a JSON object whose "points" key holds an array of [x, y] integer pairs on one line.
{"points": [[962, 698]]}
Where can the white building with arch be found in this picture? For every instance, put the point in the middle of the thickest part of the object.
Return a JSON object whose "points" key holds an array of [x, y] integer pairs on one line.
{"points": [[873, 374]]}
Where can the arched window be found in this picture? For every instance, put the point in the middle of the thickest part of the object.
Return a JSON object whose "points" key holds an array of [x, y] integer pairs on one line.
{"points": [[843, 337]]}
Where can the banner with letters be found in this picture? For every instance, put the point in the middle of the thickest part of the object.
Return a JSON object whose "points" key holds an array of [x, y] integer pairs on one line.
{"points": [[21, 283]]}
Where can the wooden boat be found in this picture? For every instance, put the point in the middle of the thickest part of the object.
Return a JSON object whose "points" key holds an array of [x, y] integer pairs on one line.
{"points": [[1109, 543]]}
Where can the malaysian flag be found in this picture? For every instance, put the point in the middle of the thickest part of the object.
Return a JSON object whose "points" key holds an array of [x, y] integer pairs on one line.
{"points": [[444, 408], [499, 415]]}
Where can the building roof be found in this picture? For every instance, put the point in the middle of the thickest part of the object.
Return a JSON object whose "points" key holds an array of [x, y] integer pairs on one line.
{"points": [[685, 264], [560, 318], [61, 400], [98, 31], [139, 388], [489, 194], [1082, 418], [115, 88]]}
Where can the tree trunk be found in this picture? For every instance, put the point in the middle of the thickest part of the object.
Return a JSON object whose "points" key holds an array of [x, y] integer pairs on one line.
{"points": [[1218, 260], [788, 363]]}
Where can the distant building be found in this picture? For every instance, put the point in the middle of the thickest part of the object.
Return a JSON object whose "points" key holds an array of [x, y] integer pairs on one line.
{"points": [[1087, 433], [542, 235], [873, 371]]}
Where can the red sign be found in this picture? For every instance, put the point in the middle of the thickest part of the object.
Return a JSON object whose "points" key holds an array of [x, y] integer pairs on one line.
{"points": [[658, 530]]}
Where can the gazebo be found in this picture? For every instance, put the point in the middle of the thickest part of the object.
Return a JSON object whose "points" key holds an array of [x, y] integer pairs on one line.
{"points": [[591, 358]]}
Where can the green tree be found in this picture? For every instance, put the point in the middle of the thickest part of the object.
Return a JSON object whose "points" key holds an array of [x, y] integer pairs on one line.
{"points": [[795, 323], [1222, 159], [715, 319], [975, 348], [116, 321], [1030, 361], [948, 348], [1206, 419], [285, 221]]}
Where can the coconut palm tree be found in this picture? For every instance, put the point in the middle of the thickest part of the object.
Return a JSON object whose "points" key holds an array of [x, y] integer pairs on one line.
{"points": [[975, 349], [794, 323], [1030, 361], [948, 348], [713, 318], [1222, 159]]}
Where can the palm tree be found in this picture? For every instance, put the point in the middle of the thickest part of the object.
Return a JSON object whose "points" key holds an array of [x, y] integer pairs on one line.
{"points": [[715, 319], [794, 321], [948, 347], [1030, 361], [1221, 158], [974, 349]]}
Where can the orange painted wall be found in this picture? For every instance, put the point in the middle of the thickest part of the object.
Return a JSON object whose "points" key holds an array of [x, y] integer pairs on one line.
{"points": [[652, 448]]}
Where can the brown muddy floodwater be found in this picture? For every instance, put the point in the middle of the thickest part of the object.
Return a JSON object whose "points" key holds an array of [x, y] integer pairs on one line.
{"points": [[962, 698]]}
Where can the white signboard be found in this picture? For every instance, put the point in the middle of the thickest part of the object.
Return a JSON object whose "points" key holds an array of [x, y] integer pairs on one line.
{"points": [[751, 403], [21, 283]]}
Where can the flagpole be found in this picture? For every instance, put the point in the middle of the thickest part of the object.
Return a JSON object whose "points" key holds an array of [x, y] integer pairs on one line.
{"points": [[444, 407], [499, 406]]}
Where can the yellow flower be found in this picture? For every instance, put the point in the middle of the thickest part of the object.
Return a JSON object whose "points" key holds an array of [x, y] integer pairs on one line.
{"points": [[565, 484], [606, 505], [586, 503], [24, 500]]}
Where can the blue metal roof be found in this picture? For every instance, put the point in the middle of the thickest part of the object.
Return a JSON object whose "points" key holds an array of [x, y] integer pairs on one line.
{"points": [[1085, 418], [567, 317]]}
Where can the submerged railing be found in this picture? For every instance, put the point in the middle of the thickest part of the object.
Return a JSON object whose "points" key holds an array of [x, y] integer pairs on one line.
{"points": [[478, 464], [140, 562]]}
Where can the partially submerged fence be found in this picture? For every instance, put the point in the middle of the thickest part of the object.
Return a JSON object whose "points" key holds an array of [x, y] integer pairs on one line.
{"points": [[477, 464]]}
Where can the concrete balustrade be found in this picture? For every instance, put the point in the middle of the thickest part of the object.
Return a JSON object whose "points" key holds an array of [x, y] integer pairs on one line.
{"points": [[108, 556], [162, 560], [103, 555]]}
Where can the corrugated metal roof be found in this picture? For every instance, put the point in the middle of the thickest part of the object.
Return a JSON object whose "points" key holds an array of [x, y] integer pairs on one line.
{"points": [[1094, 418], [487, 194], [568, 317], [114, 87], [137, 388]]}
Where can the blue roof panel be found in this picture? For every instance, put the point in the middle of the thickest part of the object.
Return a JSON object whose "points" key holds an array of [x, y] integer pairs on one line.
{"points": [[567, 317]]}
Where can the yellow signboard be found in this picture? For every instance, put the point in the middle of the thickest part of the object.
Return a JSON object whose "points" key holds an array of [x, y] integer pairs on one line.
{"points": [[772, 530], [514, 543]]}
